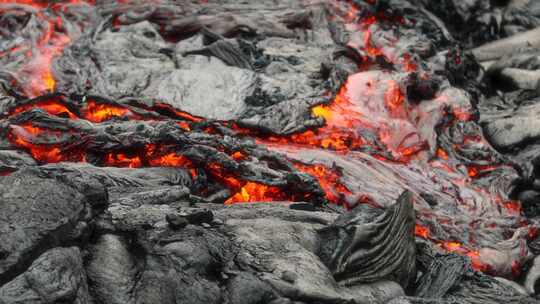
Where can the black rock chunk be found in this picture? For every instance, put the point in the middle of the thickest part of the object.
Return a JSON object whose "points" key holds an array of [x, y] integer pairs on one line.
{"points": [[176, 221], [199, 217], [56, 276]]}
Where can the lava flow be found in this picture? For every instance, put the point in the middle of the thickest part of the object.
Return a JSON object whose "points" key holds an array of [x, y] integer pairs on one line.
{"points": [[36, 77], [371, 120], [356, 120]]}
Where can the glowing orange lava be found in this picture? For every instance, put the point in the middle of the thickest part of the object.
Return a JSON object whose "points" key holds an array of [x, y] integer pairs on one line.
{"points": [[170, 160], [329, 181], [256, 192], [36, 75], [100, 112], [421, 231], [354, 111], [22, 136], [41, 79], [123, 160], [51, 106]]}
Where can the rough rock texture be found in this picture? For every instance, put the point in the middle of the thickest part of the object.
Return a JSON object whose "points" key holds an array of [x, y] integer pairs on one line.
{"points": [[56, 276], [239, 254], [356, 244], [40, 212], [137, 62]]}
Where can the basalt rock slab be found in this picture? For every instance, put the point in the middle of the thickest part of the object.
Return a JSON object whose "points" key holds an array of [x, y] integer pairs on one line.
{"points": [[521, 15], [133, 251], [111, 269], [510, 124], [246, 259], [185, 88], [440, 272]]}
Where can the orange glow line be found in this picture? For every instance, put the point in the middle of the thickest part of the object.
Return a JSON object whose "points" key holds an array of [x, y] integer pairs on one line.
{"points": [[52, 107], [100, 112]]}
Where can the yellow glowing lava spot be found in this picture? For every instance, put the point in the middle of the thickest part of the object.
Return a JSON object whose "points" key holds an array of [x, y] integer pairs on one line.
{"points": [[48, 81], [322, 111]]}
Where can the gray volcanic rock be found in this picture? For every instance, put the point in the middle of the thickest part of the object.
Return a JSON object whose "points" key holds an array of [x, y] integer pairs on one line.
{"points": [[209, 89], [249, 255], [519, 126], [10, 159], [133, 252], [38, 212], [111, 269], [216, 74], [511, 124], [115, 64], [57, 276], [358, 244]]}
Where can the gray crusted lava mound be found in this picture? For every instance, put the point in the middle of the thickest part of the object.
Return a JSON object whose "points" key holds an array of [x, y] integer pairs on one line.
{"points": [[150, 238], [38, 212], [237, 254], [269, 84], [358, 243], [57, 276]]}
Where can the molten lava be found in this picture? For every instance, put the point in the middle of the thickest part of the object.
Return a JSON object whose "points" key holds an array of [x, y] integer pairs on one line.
{"points": [[123, 160], [170, 160], [22, 136], [355, 111], [329, 181], [52, 106], [36, 76], [100, 112], [256, 192], [421, 231]]}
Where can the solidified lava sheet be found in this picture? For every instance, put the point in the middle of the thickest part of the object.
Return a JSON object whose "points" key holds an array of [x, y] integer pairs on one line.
{"points": [[273, 151]]}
